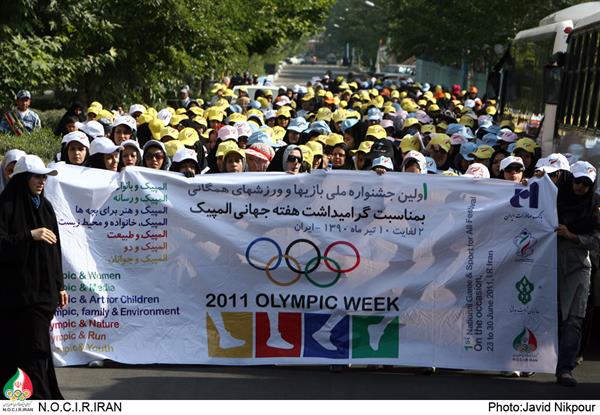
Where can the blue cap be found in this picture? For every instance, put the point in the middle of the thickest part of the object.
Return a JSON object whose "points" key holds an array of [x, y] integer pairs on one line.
{"points": [[492, 129], [255, 105], [298, 124], [511, 147], [23, 94], [321, 126], [235, 108], [489, 139], [466, 149], [373, 114], [431, 165], [260, 137], [453, 128], [349, 123]]}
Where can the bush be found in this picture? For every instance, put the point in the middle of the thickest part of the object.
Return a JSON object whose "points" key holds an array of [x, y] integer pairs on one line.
{"points": [[50, 118], [42, 143]]}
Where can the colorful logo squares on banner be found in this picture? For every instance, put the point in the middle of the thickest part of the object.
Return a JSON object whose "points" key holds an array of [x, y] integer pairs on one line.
{"points": [[285, 341], [327, 336], [229, 334], [374, 336]]}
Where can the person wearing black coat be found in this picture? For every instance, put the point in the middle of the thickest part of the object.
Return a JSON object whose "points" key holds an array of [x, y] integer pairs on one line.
{"points": [[32, 278]]}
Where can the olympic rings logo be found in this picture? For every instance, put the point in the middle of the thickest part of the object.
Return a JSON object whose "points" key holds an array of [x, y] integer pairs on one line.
{"points": [[294, 265]]}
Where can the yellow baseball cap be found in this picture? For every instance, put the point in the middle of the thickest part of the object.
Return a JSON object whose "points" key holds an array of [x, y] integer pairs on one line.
{"points": [[237, 117], [324, 114], [278, 133], [156, 125], [339, 115], [172, 147], [334, 139], [409, 122], [410, 143], [224, 148], [483, 152], [316, 147], [188, 136], [196, 111], [307, 154], [376, 131], [176, 119], [284, 112], [442, 140], [526, 144], [365, 147], [169, 132], [428, 128]]}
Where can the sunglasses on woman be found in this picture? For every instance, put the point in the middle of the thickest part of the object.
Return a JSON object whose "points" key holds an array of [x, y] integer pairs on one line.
{"points": [[294, 159], [158, 156]]}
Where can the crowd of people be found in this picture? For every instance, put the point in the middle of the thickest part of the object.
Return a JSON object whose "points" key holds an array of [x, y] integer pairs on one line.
{"points": [[335, 123]]}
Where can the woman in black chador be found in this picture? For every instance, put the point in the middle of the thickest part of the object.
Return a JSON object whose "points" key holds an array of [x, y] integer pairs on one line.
{"points": [[31, 277]]}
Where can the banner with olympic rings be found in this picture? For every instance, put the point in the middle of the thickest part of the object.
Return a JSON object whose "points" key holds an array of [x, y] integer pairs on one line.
{"points": [[323, 268]]}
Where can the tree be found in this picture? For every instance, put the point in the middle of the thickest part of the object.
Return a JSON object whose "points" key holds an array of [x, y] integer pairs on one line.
{"points": [[143, 50]]}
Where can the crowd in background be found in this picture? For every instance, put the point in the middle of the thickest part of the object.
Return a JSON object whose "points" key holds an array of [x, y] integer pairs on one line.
{"points": [[339, 123]]}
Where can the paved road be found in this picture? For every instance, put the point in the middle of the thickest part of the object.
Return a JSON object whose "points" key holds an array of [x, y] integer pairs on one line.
{"points": [[314, 382], [300, 74]]}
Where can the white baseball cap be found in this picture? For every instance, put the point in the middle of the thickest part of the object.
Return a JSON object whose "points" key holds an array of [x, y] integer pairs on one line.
{"points": [[30, 163], [131, 143], [419, 157], [477, 170], [155, 143], [578, 169], [556, 161], [228, 132], [384, 162], [185, 154], [76, 136], [243, 129], [270, 114], [507, 136], [103, 145], [282, 101], [127, 120], [165, 116], [507, 161], [92, 128], [136, 108]]}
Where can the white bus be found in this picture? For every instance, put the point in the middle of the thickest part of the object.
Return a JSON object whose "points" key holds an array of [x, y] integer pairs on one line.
{"points": [[531, 92]]}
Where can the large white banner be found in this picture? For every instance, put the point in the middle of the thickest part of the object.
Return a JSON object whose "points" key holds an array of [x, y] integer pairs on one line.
{"points": [[329, 267]]}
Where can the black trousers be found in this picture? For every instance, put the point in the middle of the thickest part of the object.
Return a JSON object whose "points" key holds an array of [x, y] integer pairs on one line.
{"points": [[27, 346]]}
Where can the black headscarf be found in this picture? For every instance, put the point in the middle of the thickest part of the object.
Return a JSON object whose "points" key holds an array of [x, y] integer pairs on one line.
{"points": [[578, 213], [31, 270], [61, 128]]}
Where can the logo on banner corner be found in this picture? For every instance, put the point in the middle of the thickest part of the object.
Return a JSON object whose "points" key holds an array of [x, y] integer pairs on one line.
{"points": [[19, 387], [531, 195], [525, 243], [525, 342]]}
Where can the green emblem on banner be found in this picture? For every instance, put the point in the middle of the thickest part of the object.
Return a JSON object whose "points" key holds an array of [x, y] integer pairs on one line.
{"points": [[525, 288]]}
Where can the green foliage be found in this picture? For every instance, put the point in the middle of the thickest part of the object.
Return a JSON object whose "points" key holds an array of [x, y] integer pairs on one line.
{"points": [[124, 51], [441, 31], [468, 27], [50, 118], [42, 143]]}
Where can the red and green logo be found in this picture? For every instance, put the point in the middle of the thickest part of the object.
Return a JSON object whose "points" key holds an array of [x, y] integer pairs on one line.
{"points": [[19, 387], [525, 342]]}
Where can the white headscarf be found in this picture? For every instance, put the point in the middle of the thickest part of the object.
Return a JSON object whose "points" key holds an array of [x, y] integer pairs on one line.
{"points": [[9, 157]]}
